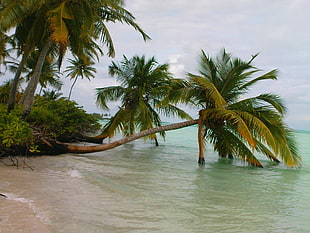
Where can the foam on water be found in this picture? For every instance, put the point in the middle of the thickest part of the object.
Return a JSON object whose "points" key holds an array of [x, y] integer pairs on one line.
{"points": [[74, 174]]}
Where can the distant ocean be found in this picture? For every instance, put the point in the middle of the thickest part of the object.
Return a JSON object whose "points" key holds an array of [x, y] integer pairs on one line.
{"points": [[139, 188]]}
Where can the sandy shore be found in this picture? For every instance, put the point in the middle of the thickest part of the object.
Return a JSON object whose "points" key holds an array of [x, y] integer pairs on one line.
{"points": [[19, 213]]}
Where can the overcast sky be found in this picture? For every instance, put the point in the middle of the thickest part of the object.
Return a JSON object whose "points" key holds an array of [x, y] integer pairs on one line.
{"points": [[276, 29]]}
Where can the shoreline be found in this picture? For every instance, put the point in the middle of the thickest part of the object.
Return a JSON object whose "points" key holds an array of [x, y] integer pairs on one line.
{"points": [[18, 212]]}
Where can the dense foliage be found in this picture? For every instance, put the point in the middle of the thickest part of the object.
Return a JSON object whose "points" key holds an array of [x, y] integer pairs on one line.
{"points": [[13, 130], [61, 118], [58, 119]]}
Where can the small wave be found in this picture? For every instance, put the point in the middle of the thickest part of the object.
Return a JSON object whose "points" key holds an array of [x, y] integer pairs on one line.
{"points": [[74, 174], [30, 204]]}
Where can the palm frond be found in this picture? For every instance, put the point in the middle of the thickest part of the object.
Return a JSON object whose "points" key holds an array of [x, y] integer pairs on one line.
{"points": [[211, 92], [106, 94], [275, 101], [115, 123], [272, 75], [234, 120]]}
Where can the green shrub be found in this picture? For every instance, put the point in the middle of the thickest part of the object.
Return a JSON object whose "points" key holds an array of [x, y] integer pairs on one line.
{"points": [[61, 117], [13, 130]]}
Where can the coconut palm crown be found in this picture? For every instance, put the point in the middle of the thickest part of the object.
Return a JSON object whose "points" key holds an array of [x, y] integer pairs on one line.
{"points": [[234, 125], [143, 84]]}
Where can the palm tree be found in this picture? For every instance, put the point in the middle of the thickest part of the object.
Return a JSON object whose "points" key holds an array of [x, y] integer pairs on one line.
{"points": [[143, 85], [238, 126], [67, 24], [51, 95], [50, 74], [20, 15], [80, 68]]}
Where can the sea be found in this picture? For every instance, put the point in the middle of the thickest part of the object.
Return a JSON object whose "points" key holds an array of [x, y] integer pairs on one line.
{"points": [[141, 188]]}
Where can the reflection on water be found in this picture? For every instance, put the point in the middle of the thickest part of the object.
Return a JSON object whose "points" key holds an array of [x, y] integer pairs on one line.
{"points": [[142, 188]]}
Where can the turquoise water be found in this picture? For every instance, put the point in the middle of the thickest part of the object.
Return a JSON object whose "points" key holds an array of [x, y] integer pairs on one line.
{"points": [[142, 188]]}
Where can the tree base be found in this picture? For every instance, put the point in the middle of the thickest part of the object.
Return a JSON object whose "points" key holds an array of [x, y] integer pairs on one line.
{"points": [[201, 161]]}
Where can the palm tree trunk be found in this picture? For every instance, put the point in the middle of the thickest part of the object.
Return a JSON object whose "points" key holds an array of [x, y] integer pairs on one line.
{"points": [[72, 87], [201, 158], [13, 91], [102, 147], [28, 97]]}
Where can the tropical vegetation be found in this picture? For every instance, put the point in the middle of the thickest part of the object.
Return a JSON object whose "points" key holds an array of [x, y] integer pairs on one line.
{"points": [[234, 123], [80, 68], [53, 118], [65, 25], [143, 85]]}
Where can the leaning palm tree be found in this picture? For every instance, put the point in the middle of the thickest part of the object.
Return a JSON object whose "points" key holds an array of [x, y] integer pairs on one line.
{"points": [[143, 85], [237, 126], [80, 68]]}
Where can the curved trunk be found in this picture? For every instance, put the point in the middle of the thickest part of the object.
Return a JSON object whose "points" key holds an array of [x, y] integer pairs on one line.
{"points": [[28, 97], [102, 147], [72, 87]]}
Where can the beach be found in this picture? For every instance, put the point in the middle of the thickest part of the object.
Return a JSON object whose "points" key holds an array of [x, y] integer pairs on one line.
{"points": [[139, 187]]}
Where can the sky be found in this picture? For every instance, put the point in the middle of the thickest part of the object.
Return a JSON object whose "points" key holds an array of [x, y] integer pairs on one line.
{"points": [[276, 29]]}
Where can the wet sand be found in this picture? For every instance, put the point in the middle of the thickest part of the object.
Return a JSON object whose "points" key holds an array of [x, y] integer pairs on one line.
{"points": [[19, 213]]}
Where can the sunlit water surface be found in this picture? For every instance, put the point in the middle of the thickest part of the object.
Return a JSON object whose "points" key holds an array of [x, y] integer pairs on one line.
{"points": [[142, 188]]}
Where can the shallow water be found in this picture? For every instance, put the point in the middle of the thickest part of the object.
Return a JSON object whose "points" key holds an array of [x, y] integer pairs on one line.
{"points": [[142, 188]]}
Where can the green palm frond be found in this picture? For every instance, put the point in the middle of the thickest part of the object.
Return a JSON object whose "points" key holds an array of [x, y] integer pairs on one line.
{"points": [[228, 143], [262, 148], [219, 118], [115, 124], [170, 110], [208, 68], [115, 12], [179, 92], [275, 101], [106, 94], [13, 11], [105, 37], [272, 75], [286, 144]]}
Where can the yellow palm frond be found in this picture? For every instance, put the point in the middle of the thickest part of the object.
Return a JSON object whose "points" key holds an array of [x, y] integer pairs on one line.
{"points": [[211, 91], [260, 129], [232, 118], [59, 30]]}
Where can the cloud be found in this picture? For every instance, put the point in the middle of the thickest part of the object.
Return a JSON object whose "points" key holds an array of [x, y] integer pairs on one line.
{"points": [[181, 28], [277, 29]]}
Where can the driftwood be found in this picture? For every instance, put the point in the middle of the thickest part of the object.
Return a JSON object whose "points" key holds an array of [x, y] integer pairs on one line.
{"points": [[2, 195]]}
